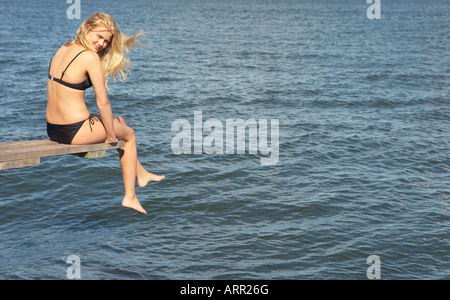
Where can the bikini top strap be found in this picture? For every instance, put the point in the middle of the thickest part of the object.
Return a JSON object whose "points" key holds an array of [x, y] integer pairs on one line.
{"points": [[62, 75]]}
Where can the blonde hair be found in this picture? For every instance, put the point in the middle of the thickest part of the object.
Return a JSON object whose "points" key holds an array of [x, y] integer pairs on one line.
{"points": [[115, 62]]}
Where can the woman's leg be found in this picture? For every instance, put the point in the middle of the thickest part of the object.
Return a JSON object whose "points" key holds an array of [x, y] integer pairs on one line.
{"points": [[128, 162], [128, 158], [143, 176], [98, 135]]}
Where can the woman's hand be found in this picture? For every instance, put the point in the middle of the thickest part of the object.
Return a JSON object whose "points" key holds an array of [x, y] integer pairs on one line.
{"points": [[113, 139]]}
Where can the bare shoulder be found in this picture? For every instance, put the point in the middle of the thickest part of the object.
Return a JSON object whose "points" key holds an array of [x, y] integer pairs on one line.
{"points": [[61, 52], [91, 60], [91, 57]]}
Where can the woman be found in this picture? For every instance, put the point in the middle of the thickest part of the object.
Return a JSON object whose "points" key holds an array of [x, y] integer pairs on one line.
{"points": [[96, 54]]}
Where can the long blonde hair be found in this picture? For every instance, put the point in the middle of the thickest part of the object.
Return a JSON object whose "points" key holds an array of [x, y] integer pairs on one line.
{"points": [[115, 62]]}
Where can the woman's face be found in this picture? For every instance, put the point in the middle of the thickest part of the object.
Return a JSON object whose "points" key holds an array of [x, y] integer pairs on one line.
{"points": [[99, 38]]}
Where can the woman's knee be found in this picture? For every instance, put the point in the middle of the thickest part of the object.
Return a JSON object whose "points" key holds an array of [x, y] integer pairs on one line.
{"points": [[124, 132], [131, 132], [121, 120]]}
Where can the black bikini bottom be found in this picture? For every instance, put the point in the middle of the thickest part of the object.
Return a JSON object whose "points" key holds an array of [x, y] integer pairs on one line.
{"points": [[65, 133]]}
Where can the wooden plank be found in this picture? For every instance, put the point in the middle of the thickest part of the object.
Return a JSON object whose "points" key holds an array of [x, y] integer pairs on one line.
{"points": [[28, 153], [23, 144], [29, 150], [92, 154], [19, 163]]}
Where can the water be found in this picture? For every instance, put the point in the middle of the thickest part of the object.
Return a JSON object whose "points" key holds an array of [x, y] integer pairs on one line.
{"points": [[363, 161]]}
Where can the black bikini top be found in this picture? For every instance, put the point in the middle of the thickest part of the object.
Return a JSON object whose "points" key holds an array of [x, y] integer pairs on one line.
{"points": [[77, 86]]}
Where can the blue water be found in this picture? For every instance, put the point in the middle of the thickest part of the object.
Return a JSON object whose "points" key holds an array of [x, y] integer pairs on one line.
{"points": [[363, 169]]}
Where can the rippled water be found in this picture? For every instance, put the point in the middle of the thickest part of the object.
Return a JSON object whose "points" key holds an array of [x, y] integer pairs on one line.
{"points": [[363, 169]]}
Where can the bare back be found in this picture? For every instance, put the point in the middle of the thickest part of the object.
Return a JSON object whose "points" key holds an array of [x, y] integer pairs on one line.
{"points": [[66, 105]]}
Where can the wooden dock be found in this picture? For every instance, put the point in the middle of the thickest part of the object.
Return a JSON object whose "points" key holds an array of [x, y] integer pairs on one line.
{"points": [[29, 153]]}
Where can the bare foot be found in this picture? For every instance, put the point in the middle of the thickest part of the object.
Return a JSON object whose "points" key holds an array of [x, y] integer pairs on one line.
{"points": [[133, 202], [149, 177]]}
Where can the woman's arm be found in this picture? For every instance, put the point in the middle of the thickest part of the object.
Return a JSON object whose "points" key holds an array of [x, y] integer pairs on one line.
{"points": [[95, 72]]}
